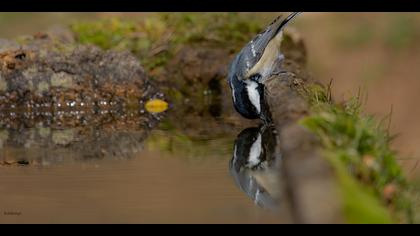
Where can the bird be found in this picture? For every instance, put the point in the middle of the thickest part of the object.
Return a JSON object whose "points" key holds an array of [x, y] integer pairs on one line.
{"points": [[255, 63], [254, 165]]}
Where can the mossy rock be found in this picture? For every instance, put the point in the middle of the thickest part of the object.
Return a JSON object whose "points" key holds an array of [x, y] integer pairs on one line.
{"points": [[49, 70]]}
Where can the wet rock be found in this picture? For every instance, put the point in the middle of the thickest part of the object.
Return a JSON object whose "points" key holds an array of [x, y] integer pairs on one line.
{"points": [[60, 101], [49, 70]]}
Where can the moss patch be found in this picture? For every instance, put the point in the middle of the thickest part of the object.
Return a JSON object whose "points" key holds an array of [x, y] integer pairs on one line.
{"points": [[362, 146], [360, 205], [156, 39]]}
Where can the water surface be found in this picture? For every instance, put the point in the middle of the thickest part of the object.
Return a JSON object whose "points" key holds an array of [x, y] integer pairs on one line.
{"points": [[117, 174]]}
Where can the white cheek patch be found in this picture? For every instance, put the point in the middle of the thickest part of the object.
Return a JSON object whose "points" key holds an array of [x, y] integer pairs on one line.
{"points": [[255, 152], [253, 94]]}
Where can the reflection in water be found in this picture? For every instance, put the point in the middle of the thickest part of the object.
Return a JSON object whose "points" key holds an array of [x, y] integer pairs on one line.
{"points": [[68, 161], [255, 168], [47, 138]]}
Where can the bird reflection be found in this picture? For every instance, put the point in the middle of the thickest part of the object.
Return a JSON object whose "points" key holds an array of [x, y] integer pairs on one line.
{"points": [[255, 167]]}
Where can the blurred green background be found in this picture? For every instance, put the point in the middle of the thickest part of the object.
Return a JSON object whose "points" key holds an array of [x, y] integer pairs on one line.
{"points": [[376, 52]]}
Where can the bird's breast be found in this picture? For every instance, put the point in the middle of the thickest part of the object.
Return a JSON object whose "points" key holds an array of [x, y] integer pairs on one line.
{"points": [[253, 94]]}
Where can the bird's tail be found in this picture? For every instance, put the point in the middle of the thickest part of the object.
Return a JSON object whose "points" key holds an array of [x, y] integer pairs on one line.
{"points": [[285, 21]]}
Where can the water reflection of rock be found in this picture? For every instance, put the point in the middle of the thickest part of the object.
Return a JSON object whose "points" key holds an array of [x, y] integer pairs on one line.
{"points": [[255, 168], [60, 101], [69, 136]]}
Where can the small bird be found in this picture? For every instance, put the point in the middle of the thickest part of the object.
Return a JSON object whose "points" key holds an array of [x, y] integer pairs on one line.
{"points": [[254, 166], [255, 63]]}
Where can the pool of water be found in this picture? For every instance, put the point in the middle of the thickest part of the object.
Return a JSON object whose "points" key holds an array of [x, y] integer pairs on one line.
{"points": [[115, 173]]}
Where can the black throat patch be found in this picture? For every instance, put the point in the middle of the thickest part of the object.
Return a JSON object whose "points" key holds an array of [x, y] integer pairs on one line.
{"points": [[248, 97]]}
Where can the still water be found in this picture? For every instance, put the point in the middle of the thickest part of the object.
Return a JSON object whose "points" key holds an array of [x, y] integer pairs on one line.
{"points": [[134, 170]]}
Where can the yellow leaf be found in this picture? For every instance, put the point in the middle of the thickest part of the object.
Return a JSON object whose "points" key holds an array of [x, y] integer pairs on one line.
{"points": [[156, 106]]}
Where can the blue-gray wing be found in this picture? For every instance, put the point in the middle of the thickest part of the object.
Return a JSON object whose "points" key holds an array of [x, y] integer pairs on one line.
{"points": [[253, 51]]}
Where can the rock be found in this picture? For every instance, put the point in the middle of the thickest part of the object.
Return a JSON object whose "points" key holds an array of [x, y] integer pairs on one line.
{"points": [[49, 70], [62, 101], [308, 177]]}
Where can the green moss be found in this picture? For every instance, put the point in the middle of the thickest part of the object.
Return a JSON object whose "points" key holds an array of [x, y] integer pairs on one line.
{"points": [[228, 29], [138, 37], [360, 204], [362, 145], [156, 39], [106, 34]]}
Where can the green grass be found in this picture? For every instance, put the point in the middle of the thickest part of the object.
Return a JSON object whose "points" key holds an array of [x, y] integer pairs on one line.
{"points": [[138, 37], [358, 146]]}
